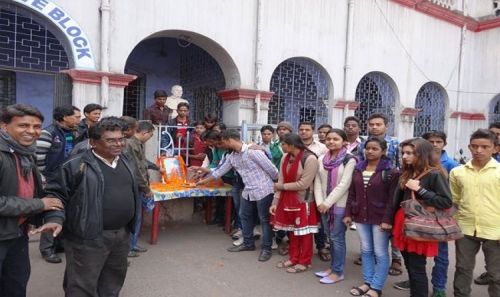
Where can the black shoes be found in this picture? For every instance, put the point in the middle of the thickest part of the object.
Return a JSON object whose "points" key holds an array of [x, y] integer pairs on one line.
{"points": [[241, 248], [132, 254], [52, 258], [265, 255], [483, 279]]}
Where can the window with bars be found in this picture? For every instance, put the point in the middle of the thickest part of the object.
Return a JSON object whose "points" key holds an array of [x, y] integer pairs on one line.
{"points": [[494, 113], [375, 94], [300, 91], [7, 87], [430, 103], [26, 43]]}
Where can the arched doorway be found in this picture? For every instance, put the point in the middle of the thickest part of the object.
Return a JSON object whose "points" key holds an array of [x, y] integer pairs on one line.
{"points": [[376, 93], [301, 92], [31, 57], [494, 110], [183, 58], [431, 105]]}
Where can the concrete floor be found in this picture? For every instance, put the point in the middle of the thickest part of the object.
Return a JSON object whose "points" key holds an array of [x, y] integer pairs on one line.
{"points": [[191, 260]]}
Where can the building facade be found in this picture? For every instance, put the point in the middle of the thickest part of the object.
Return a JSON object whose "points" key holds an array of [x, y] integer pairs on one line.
{"points": [[431, 64]]}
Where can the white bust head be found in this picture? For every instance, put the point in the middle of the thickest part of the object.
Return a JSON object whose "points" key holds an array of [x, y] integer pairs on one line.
{"points": [[176, 91]]}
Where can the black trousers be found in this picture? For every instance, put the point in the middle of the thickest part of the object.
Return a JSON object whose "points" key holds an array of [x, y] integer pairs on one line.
{"points": [[50, 244], [96, 268], [15, 267], [415, 265]]}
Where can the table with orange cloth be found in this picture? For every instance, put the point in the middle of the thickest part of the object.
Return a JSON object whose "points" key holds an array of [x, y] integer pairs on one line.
{"points": [[163, 192]]}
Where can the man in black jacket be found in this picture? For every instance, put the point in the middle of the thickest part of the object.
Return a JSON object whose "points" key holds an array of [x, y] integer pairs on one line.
{"points": [[20, 192], [99, 191], [52, 149]]}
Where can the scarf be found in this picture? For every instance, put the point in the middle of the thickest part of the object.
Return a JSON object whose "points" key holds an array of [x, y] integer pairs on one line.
{"points": [[332, 166], [290, 176], [25, 153]]}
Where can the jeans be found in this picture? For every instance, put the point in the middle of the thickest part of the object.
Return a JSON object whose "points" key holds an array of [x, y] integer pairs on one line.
{"points": [[247, 209], [466, 251], [236, 193], [415, 264], [137, 226], [337, 245], [440, 269], [15, 266], [374, 254], [320, 237]]}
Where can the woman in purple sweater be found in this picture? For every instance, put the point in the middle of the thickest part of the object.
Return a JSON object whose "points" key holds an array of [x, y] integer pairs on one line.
{"points": [[369, 204]]}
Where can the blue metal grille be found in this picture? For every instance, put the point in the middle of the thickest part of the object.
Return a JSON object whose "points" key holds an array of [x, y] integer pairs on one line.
{"points": [[201, 77], [300, 92], [431, 105], [494, 114], [27, 44], [375, 95]]}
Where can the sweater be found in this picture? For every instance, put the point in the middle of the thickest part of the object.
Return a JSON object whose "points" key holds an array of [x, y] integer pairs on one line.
{"points": [[338, 195], [305, 179]]}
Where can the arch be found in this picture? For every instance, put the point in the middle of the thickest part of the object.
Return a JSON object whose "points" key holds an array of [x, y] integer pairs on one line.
{"points": [[186, 38], [162, 62], [74, 39], [376, 92], [431, 102], [494, 110], [302, 88]]}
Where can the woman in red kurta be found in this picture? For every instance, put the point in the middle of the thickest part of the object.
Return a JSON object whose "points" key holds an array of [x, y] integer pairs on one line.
{"points": [[293, 207]]}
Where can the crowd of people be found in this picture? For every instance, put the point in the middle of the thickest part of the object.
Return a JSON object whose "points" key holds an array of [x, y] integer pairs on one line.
{"points": [[91, 176]]}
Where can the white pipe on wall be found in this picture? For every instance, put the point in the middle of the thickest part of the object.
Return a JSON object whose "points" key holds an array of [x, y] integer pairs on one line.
{"points": [[105, 20], [258, 59], [348, 53]]}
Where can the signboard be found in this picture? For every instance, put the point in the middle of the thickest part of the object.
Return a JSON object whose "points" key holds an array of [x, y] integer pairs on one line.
{"points": [[78, 40]]}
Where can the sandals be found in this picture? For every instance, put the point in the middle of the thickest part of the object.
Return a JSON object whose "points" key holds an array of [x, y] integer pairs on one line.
{"points": [[367, 294], [283, 248], [284, 264], [298, 268], [324, 255], [396, 268], [357, 291]]}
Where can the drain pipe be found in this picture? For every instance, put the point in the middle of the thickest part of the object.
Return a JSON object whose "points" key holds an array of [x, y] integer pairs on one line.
{"points": [[348, 53], [105, 19], [258, 60], [463, 35]]}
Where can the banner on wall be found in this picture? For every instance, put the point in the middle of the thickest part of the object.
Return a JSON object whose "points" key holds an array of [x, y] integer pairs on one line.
{"points": [[78, 40]]}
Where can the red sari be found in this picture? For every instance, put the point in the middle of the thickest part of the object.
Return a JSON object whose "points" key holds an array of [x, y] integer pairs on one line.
{"points": [[291, 214]]}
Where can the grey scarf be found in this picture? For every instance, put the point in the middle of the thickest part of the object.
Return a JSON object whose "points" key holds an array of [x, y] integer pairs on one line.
{"points": [[25, 153]]}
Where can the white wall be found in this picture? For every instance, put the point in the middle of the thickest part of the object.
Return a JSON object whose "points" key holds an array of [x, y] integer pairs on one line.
{"points": [[316, 30]]}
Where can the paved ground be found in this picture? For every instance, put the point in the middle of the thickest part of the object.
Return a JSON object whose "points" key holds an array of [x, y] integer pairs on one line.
{"points": [[191, 260]]}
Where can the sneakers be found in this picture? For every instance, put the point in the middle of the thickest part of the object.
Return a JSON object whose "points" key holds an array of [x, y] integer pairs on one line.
{"points": [[275, 245], [438, 293], [237, 234], [404, 285], [238, 241]]}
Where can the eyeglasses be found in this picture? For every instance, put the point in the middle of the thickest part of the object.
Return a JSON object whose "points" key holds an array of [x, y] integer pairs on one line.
{"points": [[114, 140]]}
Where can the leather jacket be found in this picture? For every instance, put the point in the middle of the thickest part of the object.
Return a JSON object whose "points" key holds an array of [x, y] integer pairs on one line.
{"points": [[79, 183]]}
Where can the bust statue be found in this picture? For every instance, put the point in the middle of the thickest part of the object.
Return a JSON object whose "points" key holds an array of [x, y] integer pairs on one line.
{"points": [[174, 100]]}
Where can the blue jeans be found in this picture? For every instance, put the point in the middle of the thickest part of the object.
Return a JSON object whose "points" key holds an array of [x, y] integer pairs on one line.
{"points": [[440, 269], [337, 245], [247, 209], [236, 193], [374, 254], [320, 237], [145, 202]]}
